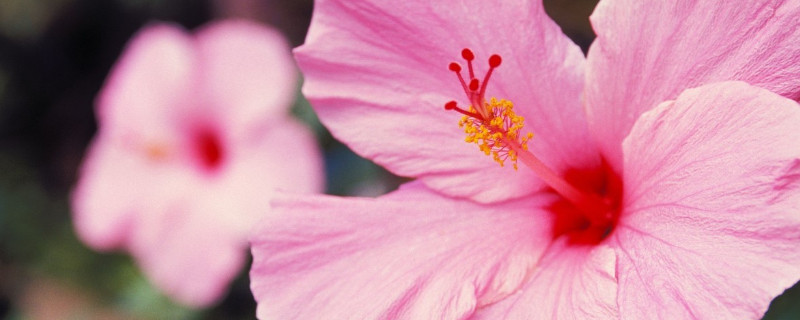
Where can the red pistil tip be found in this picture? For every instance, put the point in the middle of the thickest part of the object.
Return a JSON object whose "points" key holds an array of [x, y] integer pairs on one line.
{"points": [[450, 105], [473, 85], [495, 60], [454, 67], [467, 54]]}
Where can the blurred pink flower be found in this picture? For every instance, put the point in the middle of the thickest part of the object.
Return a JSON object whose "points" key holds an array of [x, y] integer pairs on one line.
{"points": [[194, 136], [655, 186]]}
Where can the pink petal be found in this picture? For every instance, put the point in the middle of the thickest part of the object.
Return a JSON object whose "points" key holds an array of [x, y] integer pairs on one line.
{"points": [[142, 187], [712, 187], [149, 85], [164, 214], [286, 157], [195, 245], [377, 74], [126, 200], [102, 200], [646, 53], [188, 231], [287, 153], [190, 250], [248, 73], [569, 283], [412, 254]]}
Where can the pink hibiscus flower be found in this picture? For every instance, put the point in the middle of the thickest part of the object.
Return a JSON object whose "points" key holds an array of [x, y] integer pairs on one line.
{"points": [[194, 136], [654, 187]]}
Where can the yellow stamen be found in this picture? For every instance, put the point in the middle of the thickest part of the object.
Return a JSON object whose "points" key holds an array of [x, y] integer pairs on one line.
{"points": [[156, 152], [490, 134]]}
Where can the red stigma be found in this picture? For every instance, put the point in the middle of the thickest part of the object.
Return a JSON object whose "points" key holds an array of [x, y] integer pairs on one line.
{"points": [[474, 88], [467, 54], [494, 61], [455, 67], [473, 84], [452, 105]]}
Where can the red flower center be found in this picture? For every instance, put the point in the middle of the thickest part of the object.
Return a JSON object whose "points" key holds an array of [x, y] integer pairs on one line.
{"points": [[588, 227], [589, 209], [209, 150]]}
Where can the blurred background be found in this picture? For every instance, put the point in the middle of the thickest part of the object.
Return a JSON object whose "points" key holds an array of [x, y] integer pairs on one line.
{"points": [[54, 57]]}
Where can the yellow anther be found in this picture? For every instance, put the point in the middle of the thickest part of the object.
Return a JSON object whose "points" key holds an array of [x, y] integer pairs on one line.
{"points": [[491, 134], [156, 151]]}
